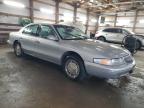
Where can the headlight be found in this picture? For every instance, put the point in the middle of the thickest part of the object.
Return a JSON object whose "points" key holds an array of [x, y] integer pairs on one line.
{"points": [[117, 61]]}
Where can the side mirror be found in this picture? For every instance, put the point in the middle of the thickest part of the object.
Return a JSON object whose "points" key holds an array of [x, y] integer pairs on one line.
{"points": [[51, 37]]}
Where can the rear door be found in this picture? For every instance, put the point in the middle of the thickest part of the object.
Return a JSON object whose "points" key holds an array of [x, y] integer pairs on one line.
{"points": [[29, 38]]}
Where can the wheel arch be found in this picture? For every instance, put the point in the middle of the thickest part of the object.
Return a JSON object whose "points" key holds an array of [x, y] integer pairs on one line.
{"points": [[102, 36], [72, 53], [16, 41]]}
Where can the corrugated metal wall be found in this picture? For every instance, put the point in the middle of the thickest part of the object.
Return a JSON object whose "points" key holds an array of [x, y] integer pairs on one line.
{"points": [[44, 17], [13, 12], [9, 18], [9, 15]]}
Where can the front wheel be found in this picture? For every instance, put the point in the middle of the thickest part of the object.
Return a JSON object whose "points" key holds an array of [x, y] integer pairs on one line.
{"points": [[18, 50], [74, 68], [102, 39]]}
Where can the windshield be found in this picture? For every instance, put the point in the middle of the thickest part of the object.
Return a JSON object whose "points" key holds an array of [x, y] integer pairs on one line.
{"points": [[70, 33], [131, 32], [128, 32]]}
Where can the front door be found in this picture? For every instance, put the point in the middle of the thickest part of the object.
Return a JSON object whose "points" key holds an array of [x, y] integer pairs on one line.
{"points": [[49, 44]]}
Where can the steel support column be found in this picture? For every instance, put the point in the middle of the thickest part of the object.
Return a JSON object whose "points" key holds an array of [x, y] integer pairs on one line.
{"points": [[87, 21], [31, 10], [57, 11], [135, 21], [75, 13]]}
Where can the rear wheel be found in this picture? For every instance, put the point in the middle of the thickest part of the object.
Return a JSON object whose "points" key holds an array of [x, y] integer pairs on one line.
{"points": [[74, 68], [102, 39], [18, 50]]}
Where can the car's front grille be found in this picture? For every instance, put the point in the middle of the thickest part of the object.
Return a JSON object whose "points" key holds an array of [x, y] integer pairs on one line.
{"points": [[128, 59]]}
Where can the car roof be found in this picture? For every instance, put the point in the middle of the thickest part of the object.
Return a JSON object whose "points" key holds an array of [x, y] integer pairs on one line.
{"points": [[44, 24], [48, 24], [112, 28]]}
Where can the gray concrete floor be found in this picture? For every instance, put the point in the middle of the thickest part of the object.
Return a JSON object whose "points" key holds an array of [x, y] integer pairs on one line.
{"points": [[32, 83]]}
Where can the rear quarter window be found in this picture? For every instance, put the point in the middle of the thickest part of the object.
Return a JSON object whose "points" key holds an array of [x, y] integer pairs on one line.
{"points": [[31, 30]]}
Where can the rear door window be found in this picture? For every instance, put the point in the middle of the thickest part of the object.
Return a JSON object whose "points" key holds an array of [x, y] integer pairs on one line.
{"points": [[31, 30]]}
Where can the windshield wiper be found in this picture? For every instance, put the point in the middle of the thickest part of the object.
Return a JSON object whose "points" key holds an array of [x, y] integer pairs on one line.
{"points": [[75, 37], [83, 37]]}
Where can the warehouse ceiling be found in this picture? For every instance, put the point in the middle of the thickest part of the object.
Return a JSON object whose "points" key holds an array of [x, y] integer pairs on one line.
{"points": [[108, 5]]}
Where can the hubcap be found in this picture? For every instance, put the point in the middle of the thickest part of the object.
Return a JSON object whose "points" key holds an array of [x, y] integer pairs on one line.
{"points": [[72, 68], [101, 39], [18, 50]]}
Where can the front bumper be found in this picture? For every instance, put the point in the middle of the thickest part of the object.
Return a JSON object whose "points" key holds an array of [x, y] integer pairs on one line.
{"points": [[8, 41], [109, 72], [143, 42]]}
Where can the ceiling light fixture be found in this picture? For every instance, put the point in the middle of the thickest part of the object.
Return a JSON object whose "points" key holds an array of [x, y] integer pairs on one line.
{"points": [[93, 20], [82, 19], [68, 17], [123, 22], [47, 11], [91, 0], [13, 3], [141, 21]]}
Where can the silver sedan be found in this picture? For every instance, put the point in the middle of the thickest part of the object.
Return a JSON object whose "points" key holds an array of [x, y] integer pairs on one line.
{"points": [[70, 47]]}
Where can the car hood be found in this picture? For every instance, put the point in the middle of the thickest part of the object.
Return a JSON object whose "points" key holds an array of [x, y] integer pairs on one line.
{"points": [[139, 36], [97, 48]]}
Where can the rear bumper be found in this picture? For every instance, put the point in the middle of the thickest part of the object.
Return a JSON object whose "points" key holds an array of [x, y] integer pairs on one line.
{"points": [[109, 72]]}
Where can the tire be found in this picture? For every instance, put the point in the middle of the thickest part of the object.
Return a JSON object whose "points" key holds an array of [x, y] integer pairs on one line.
{"points": [[102, 39], [18, 50], [138, 45], [77, 72]]}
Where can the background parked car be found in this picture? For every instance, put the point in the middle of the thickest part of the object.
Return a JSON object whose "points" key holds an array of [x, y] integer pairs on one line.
{"points": [[116, 35]]}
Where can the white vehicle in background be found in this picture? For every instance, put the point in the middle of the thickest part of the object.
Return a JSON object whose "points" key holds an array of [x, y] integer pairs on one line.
{"points": [[116, 35]]}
